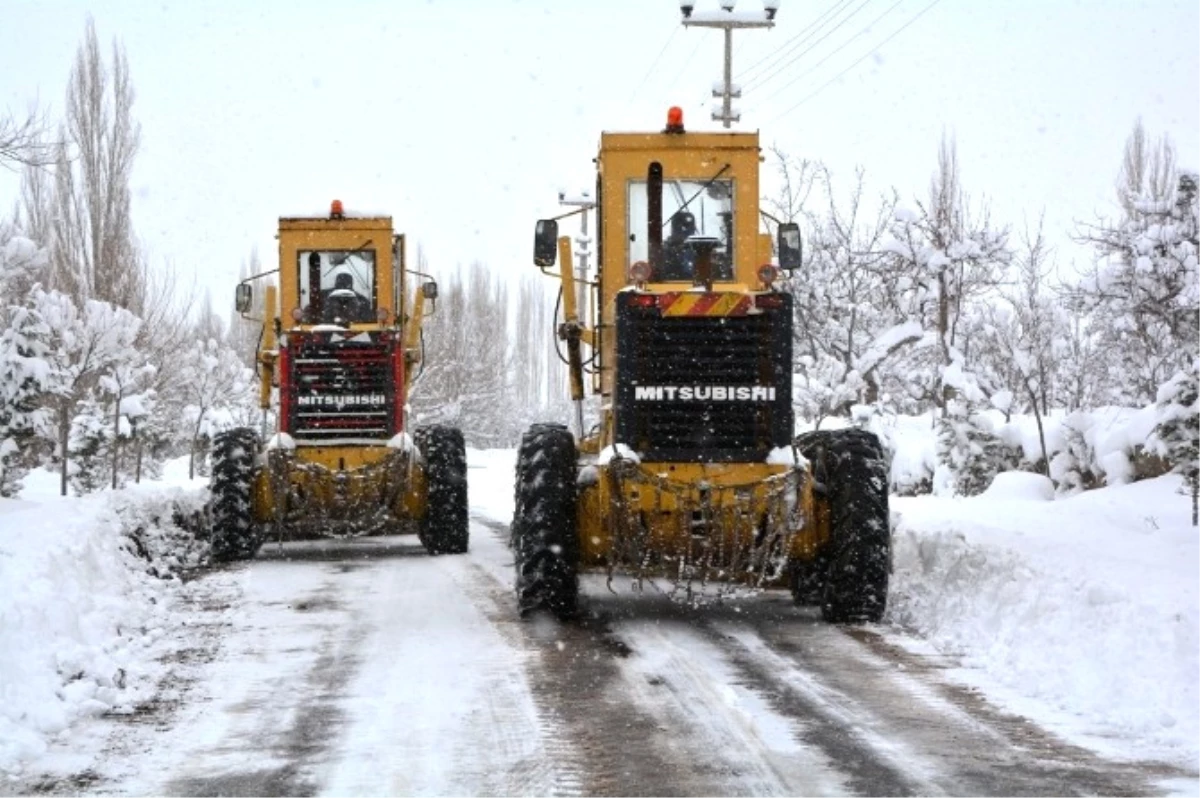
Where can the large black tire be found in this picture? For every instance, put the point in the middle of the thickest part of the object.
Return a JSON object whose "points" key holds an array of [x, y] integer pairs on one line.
{"points": [[851, 576], [546, 547], [235, 533], [445, 528], [530, 443]]}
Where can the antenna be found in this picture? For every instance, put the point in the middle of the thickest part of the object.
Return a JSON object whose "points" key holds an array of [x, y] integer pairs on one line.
{"points": [[727, 19]]}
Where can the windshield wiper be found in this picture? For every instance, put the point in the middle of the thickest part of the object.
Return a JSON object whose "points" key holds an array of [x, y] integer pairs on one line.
{"points": [[338, 260], [699, 191]]}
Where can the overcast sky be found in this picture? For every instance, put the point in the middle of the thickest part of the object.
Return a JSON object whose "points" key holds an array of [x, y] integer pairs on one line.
{"points": [[463, 119]]}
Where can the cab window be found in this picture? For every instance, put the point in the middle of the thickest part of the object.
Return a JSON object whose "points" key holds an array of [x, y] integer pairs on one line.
{"points": [[692, 209], [337, 286]]}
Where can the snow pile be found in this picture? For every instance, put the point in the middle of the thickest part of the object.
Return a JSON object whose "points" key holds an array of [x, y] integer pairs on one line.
{"points": [[1020, 485], [85, 588], [1088, 604]]}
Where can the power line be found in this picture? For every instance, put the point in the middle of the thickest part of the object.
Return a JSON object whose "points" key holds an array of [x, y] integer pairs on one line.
{"points": [[803, 34], [843, 46], [761, 80], [653, 64], [688, 62], [868, 54]]}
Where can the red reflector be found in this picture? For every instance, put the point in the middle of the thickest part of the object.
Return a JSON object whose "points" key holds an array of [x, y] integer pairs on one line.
{"points": [[644, 301], [769, 301]]}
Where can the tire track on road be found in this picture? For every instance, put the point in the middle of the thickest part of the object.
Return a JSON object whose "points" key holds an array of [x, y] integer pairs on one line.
{"points": [[600, 740], [297, 723], [900, 728]]}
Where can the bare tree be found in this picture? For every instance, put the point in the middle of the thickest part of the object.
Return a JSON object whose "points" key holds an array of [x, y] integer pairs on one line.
{"points": [[797, 177], [93, 254], [23, 141], [1147, 170]]}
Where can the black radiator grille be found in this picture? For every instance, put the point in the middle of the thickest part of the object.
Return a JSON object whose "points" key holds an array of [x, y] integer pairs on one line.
{"points": [[341, 389], [736, 368]]}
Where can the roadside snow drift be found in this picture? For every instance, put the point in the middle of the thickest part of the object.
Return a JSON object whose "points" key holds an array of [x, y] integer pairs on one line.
{"points": [[85, 587], [1086, 604]]}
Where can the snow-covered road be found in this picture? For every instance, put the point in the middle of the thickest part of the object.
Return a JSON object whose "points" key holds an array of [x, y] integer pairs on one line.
{"points": [[367, 667], [1009, 665]]}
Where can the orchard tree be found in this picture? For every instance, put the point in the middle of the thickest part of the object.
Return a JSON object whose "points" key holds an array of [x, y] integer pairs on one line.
{"points": [[84, 345], [127, 383], [848, 329], [794, 180], [1142, 292], [948, 261], [1025, 338], [214, 381]]}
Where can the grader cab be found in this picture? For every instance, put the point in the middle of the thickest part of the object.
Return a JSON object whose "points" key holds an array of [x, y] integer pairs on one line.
{"points": [[338, 354], [692, 473]]}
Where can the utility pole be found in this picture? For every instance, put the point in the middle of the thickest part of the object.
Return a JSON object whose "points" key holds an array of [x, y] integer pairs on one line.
{"points": [[727, 19]]}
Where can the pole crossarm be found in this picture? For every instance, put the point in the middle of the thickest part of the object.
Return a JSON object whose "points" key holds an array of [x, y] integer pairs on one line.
{"points": [[728, 20]]}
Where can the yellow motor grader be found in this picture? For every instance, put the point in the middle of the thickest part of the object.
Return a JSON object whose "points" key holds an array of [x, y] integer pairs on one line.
{"points": [[340, 342], [692, 473]]}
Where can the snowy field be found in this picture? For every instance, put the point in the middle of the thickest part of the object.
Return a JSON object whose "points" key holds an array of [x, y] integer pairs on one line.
{"points": [[1079, 612]]}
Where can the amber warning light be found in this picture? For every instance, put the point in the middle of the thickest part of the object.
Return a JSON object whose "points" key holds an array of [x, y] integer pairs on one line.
{"points": [[335, 210], [674, 119]]}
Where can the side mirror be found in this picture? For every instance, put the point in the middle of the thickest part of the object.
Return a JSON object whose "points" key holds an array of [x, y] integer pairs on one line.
{"points": [[545, 243], [789, 246], [243, 297], [429, 290]]}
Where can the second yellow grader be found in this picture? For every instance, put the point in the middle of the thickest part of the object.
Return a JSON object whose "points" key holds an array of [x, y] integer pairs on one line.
{"points": [[338, 356]]}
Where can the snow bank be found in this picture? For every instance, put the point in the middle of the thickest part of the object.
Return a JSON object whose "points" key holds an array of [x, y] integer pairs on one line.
{"points": [[1088, 604], [85, 588], [1085, 447]]}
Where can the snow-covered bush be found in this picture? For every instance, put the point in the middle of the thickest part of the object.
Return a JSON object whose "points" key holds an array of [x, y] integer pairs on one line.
{"points": [[1176, 435], [1074, 467], [969, 450], [24, 373], [87, 448]]}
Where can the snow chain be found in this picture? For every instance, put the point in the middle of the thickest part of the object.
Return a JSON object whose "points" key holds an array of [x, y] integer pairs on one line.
{"points": [[729, 568]]}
